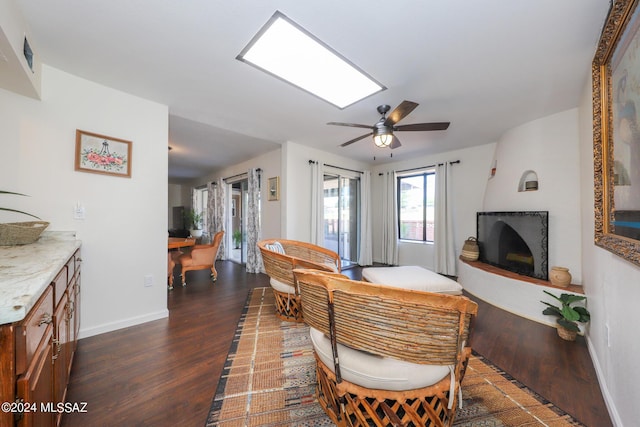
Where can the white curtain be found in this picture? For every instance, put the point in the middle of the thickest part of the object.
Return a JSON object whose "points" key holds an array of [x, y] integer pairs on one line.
{"points": [[194, 202], [210, 212], [389, 219], [365, 257], [317, 203], [444, 238], [219, 214], [253, 231]]}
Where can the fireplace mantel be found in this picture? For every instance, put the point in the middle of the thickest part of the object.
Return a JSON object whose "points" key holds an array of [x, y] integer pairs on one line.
{"points": [[576, 289], [517, 294]]}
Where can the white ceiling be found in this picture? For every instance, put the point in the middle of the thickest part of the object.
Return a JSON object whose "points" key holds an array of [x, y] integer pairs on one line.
{"points": [[485, 66]]}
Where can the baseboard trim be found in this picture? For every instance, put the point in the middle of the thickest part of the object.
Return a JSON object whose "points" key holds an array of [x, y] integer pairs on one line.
{"points": [[121, 324], [608, 400]]}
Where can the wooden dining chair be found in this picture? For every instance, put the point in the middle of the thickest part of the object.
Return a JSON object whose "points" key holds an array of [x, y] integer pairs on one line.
{"points": [[201, 257], [171, 264]]}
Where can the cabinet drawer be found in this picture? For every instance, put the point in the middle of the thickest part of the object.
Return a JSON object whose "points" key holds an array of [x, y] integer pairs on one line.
{"points": [[59, 285], [31, 330]]}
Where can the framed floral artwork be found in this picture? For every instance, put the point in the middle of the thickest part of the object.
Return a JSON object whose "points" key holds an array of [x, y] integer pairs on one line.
{"points": [[102, 154]]}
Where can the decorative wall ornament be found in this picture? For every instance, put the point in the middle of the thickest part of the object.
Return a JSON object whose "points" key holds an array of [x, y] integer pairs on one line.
{"points": [[274, 188], [616, 134], [102, 154]]}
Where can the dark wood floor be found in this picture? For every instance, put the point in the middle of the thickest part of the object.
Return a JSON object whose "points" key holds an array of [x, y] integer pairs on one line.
{"points": [[164, 373]]}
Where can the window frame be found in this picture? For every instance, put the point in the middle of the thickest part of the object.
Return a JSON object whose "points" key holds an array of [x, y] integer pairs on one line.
{"points": [[424, 174]]}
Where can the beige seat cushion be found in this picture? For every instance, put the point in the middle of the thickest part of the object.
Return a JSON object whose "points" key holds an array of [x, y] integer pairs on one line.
{"points": [[412, 277], [281, 286], [371, 371]]}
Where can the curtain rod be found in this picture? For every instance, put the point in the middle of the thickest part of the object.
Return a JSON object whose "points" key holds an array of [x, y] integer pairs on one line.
{"points": [[454, 162], [240, 174], [336, 167]]}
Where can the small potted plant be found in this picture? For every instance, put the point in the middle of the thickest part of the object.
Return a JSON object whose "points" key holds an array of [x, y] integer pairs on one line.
{"points": [[237, 239], [194, 219], [567, 315]]}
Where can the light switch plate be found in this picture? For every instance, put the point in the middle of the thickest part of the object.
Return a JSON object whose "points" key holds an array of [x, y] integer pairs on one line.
{"points": [[78, 211]]}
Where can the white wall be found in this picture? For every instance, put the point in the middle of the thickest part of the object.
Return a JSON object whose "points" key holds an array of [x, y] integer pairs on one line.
{"points": [[469, 181], [550, 147], [612, 286], [124, 233]]}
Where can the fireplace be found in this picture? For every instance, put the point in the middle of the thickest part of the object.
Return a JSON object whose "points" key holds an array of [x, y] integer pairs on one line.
{"points": [[515, 241]]}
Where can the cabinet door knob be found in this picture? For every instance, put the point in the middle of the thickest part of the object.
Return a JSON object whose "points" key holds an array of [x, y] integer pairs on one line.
{"points": [[70, 310], [46, 319], [58, 345]]}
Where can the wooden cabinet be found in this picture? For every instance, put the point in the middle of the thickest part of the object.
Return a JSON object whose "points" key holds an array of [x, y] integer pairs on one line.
{"points": [[37, 352], [34, 387]]}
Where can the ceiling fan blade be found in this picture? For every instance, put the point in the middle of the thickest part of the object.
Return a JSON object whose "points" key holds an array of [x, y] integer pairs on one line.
{"points": [[355, 139], [395, 142], [400, 112], [424, 126], [353, 125]]}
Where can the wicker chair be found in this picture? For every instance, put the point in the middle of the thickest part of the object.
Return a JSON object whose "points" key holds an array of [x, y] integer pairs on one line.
{"points": [[280, 266], [385, 356], [201, 257]]}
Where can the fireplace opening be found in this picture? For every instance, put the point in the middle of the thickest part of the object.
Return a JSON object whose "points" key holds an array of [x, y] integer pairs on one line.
{"points": [[515, 241], [513, 252]]}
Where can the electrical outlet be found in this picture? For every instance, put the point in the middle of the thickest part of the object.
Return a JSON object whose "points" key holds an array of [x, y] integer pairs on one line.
{"points": [[148, 280]]}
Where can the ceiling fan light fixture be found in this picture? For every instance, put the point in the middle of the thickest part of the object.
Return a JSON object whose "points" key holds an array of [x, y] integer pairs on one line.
{"points": [[383, 139]]}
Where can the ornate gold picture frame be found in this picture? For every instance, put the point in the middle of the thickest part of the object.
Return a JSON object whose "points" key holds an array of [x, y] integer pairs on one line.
{"points": [[616, 132]]}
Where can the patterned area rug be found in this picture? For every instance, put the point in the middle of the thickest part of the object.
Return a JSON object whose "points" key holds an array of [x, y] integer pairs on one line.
{"points": [[269, 380]]}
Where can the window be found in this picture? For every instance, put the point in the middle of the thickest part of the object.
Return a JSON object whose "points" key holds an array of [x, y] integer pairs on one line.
{"points": [[200, 203], [416, 206]]}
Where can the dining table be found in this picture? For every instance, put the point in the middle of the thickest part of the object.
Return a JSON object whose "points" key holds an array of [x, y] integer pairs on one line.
{"points": [[180, 242]]}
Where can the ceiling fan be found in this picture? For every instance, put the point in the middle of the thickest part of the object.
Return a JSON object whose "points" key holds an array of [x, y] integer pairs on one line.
{"points": [[383, 130]]}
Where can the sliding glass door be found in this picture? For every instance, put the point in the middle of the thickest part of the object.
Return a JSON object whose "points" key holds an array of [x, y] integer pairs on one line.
{"points": [[238, 219], [341, 216]]}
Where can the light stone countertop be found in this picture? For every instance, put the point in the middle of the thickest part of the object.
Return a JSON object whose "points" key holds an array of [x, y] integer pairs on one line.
{"points": [[27, 270]]}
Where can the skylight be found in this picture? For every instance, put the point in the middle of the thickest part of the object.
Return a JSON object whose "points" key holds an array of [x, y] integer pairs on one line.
{"points": [[286, 50]]}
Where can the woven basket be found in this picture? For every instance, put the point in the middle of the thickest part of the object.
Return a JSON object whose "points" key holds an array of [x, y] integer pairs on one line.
{"points": [[21, 233], [470, 250], [566, 334]]}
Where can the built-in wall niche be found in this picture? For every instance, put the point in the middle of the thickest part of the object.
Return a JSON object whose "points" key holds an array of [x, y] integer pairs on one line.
{"points": [[528, 181]]}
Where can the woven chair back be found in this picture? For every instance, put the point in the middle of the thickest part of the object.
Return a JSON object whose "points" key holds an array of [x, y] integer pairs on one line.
{"points": [[297, 255], [415, 326]]}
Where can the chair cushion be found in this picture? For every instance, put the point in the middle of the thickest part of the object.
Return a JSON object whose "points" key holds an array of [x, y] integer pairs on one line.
{"points": [[275, 247], [281, 286], [371, 371], [412, 277], [332, 266]]}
